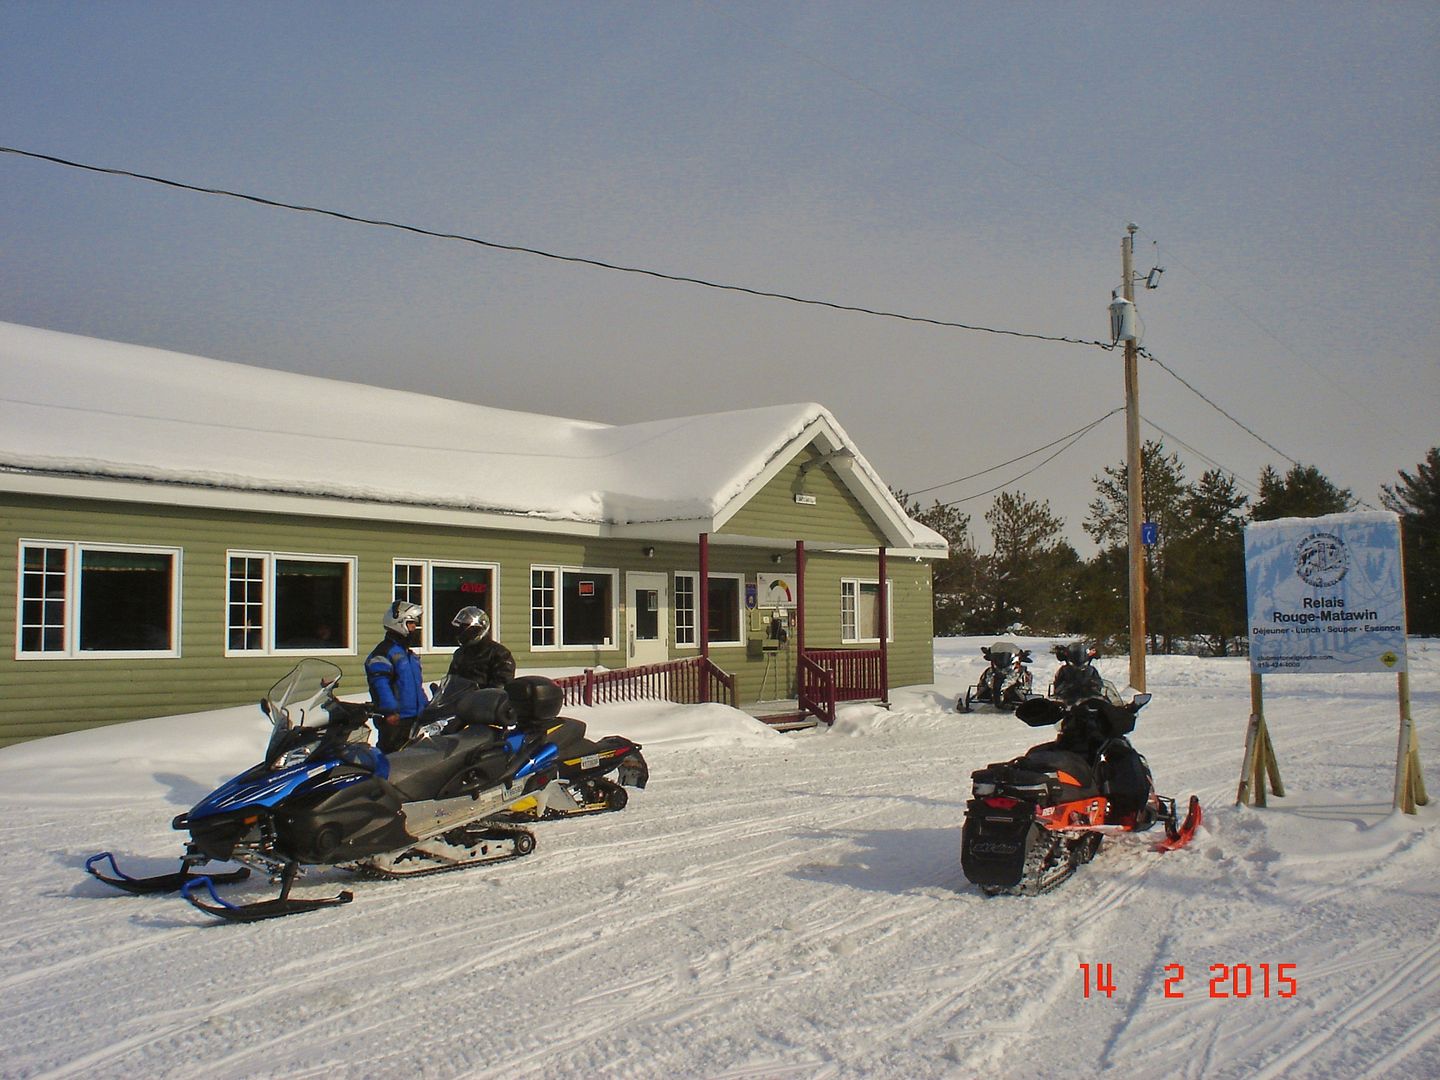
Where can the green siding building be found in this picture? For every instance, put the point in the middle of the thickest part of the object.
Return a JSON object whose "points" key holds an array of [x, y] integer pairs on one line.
{"points": [[183, 530]]}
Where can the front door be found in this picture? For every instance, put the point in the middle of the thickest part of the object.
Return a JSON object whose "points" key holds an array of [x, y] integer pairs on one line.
{"points": [[647, 618]]}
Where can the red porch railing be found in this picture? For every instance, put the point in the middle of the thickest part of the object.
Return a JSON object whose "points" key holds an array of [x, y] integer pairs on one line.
{"points": [[830, 676], [685, 682]]}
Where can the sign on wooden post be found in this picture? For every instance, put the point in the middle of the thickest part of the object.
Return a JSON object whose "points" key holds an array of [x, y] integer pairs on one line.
{"points": [[1326, 594]]}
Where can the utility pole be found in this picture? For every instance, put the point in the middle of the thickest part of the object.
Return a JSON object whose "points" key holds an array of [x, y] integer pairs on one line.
{"points": [[1135, 486]]}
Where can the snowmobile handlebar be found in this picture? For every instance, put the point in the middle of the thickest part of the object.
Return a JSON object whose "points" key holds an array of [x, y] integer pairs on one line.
{"points": [[1042, 712]]}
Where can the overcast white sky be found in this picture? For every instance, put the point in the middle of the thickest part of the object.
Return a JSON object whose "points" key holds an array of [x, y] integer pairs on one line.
{"points": [[972, 163]]}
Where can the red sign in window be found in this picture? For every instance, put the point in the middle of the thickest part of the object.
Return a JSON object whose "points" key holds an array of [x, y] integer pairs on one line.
{"points": [[587, 588], [473, 586]]}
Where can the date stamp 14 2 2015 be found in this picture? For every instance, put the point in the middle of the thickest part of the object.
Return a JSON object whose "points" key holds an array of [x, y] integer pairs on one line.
{"points": [[1231, 981]]}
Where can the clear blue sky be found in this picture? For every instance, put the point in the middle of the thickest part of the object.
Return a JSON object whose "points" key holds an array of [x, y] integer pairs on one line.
{"points": [[974, 163]]}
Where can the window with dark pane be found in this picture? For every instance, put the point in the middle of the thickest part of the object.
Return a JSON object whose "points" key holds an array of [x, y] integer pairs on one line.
{"points": [[125, 601]]}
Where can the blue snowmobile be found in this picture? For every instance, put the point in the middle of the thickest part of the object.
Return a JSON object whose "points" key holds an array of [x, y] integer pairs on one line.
{"points": [[323, 796]]}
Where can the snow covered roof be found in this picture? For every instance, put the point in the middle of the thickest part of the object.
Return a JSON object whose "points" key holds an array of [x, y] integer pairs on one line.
{"points": [[79, 407]]}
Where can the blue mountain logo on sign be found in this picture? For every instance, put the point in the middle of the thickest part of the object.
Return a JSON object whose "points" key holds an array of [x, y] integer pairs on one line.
{"points": [[1322, 560]]}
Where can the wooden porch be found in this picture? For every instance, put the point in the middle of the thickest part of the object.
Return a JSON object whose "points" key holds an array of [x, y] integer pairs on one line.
{"points": [[827, 678]]}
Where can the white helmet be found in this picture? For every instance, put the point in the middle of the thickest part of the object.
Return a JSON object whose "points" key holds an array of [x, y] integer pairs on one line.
{"points": [[401, 612], [472, 623]]}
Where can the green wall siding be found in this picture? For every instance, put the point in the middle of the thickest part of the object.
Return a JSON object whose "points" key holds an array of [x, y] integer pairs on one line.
{"points": [[836, 517], [48, 696]]}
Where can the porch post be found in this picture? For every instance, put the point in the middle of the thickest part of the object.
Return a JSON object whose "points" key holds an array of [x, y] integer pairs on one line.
{"points": [[883, 618], [703, 600], [799, 598]]}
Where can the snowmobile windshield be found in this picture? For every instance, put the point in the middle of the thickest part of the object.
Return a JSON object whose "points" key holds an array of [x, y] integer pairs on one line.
{"points": [[300, 698], [1000, 657], [448, 693]]}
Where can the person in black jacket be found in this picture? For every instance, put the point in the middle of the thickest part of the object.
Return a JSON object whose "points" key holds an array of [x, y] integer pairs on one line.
{"points": [[479, 657]]}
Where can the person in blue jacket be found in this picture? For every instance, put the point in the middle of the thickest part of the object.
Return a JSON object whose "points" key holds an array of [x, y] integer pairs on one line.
{"points": [[397, 687]]}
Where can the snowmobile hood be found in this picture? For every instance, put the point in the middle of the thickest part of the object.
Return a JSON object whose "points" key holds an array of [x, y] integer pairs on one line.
{"points": [[262, 787]]}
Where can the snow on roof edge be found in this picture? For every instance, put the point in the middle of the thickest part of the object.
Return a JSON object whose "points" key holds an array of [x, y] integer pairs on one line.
{"points": [[151, 414]]}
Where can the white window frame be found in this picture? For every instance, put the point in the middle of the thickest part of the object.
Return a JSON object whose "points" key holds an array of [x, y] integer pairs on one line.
{"points": [[679, 614], [852, 584], [694, 579], [74, 600], [267, 627], [557, 607], [426, 566]]}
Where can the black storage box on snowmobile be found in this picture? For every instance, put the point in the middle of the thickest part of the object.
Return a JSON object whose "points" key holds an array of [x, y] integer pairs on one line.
{"points": [[535, 697]]}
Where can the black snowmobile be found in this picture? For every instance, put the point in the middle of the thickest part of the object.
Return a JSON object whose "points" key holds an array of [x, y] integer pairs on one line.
{"points": [[1032, 821], [323, 796], [1077, 678], [583, 767], [1006, 683]]}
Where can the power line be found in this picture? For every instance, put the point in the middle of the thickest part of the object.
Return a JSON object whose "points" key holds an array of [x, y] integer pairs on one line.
{"points": [[1248, 430], [1077, 436], [581, 260], [1022, 457], [1254, 489], [1239, 481]]}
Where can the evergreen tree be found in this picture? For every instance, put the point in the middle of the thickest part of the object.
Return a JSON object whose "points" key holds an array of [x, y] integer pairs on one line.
{"points": [[956, 579], [1416, 498], [1207, 563], [1165, 494], [1032, 569], [1102, 609], [1304, 491]]}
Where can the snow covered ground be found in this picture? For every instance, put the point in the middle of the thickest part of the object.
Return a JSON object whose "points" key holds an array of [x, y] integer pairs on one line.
{"points": [[771, 906]]}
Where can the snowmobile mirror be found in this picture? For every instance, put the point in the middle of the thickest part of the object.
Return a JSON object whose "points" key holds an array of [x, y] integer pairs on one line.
{"points": [[1139, 700]]}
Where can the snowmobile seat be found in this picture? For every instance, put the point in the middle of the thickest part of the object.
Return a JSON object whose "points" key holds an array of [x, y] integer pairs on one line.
{"points": [[419, 770], [568, 735], [482, 709], [1048, 758]]}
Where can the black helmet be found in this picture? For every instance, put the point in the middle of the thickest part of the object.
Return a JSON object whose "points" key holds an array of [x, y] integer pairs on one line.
{"points": [[471, 624]]}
